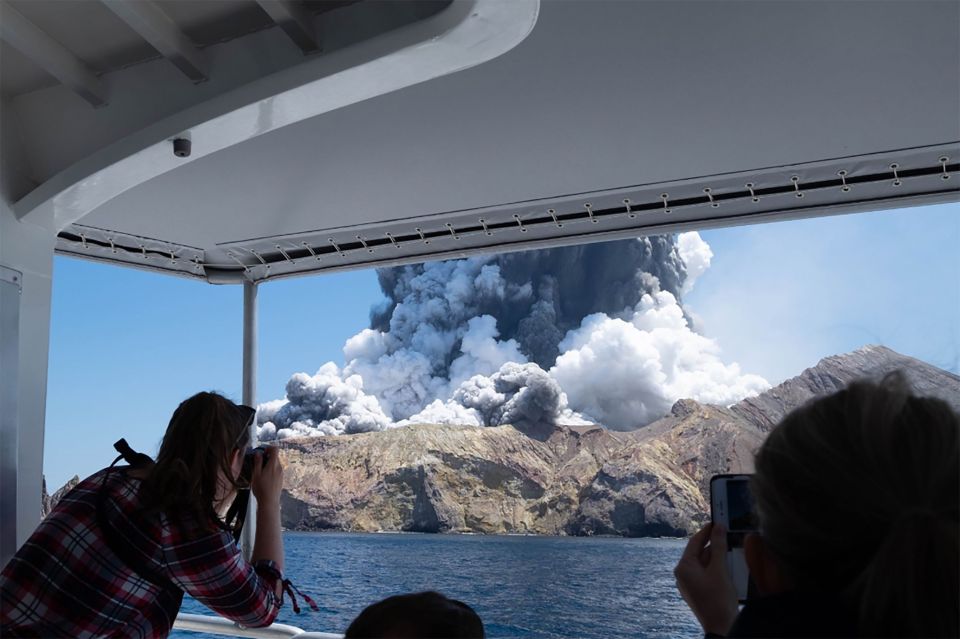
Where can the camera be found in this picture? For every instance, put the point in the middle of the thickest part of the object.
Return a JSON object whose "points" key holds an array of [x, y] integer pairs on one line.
{"points": [[181, 147], [253, 456]]}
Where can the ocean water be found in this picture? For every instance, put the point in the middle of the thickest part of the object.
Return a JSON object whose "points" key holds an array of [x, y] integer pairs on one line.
{"points": [[524, 587]]}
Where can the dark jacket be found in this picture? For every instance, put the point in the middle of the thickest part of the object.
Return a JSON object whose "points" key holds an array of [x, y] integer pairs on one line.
{"points": [[795, 614]]}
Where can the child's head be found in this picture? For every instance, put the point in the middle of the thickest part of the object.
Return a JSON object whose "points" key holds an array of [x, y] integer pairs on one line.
{"points": [[424, 615]]}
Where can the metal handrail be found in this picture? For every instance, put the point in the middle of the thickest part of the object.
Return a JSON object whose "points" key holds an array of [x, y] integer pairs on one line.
{"points": [[225, 627]]}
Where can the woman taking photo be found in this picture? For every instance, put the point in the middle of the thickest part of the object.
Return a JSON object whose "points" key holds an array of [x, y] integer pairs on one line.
{"points": [[858, 499], [116, 554]]}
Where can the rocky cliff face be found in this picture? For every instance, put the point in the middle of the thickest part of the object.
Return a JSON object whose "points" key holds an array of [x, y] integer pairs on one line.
{"points": [[561, 480], [47, 502], [833, 373], [433, 478]]}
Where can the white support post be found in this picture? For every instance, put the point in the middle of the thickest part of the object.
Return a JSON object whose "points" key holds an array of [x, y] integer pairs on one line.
{"points": [[10, 290], [26, 254], [250, 398]]}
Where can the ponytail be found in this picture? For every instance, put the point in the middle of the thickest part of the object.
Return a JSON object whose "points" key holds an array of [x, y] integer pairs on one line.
{"points": [[910, 587]]}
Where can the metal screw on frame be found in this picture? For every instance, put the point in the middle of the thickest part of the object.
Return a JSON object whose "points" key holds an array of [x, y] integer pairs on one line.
{"points": [[453, 232], [143, 252], [393, 240], [285, 255], [483, 223], [259, 257], [262, 261], [420, 233], [173, 259], [709, 193], [83, 240], [246, 269], [311, 251], [112, 247], [519, 223], [753, 196], [363, 243], [626, 204], [553, 215], [796, 185], [665, 197], [943, 162], [336, 247], [843, 178], [589, 208], [896, 178]]}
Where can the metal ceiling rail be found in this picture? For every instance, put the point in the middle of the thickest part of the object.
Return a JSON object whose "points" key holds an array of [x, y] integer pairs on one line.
{"points": [[589, 213], [741, 198]]}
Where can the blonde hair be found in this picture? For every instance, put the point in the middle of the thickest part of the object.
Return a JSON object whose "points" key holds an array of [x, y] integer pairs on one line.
{"points": [[859, 495]]}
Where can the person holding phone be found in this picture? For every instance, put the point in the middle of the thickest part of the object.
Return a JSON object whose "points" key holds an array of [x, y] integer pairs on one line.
{"points": [[116, 554], [732, 507], [858, 501]]}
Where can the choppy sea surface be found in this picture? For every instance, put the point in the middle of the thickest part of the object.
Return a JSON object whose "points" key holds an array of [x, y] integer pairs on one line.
{"points": [[524, 587]]}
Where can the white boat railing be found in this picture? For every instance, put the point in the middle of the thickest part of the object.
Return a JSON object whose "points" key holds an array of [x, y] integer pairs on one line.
{"points": [[225, 627]]}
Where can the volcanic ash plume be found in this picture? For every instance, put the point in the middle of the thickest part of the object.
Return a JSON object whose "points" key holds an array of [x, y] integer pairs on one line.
{"points": [[591, 333]]}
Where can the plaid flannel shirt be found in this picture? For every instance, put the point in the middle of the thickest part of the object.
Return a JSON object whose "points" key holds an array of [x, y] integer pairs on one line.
{"points": [[66, 582]]}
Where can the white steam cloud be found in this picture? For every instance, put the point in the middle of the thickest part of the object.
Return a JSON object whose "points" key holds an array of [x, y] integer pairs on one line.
{"points": [[628, 372], [696, 256], [523, 339]]}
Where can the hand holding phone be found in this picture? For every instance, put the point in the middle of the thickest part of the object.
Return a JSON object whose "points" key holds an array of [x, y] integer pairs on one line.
{"points": [[703, 580], [732, 506]]}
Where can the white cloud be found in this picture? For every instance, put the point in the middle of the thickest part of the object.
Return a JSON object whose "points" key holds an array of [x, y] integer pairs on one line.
{"points": [[696, 256], [628, 373], [482, 353]]}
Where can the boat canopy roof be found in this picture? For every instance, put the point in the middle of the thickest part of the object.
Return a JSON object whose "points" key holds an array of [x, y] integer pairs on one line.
{"points": [[335, 134]]}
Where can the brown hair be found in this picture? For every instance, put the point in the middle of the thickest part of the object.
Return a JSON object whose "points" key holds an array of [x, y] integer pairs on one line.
{"points": [[195, 453], [859, 495]]}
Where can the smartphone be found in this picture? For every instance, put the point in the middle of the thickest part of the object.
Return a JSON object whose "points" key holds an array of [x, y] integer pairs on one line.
{"points": [[731, 504]]}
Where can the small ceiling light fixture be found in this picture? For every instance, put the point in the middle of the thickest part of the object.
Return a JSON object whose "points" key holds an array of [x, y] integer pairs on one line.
{"points": [[181, 147]]}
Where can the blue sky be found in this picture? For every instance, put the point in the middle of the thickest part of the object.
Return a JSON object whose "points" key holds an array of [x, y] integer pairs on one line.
{"points": [[127, 346], [780, 296]]}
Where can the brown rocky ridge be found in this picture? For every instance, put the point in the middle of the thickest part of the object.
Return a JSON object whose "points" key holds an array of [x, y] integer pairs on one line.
{"points": [[47, 502], [556, 479]]}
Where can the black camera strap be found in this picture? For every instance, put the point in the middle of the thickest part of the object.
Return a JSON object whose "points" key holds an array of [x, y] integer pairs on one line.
{"points": [[129, 455], [120, 547], [237, 513]]}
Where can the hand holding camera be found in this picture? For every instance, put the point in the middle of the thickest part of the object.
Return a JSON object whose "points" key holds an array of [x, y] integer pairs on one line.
{"points": [[265, 473]]}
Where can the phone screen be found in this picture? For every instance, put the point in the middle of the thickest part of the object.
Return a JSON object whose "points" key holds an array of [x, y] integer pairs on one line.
{"points": [[741, 515]]}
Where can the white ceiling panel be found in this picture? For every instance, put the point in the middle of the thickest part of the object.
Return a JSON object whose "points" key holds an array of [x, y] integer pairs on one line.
{"points": [[601, 95], [605, 99]]}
